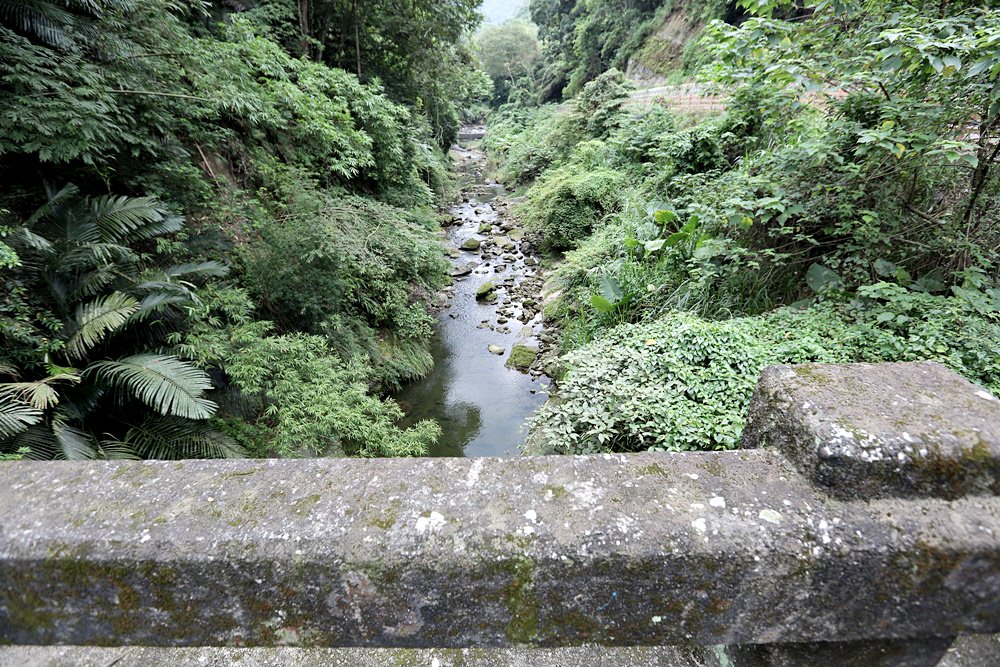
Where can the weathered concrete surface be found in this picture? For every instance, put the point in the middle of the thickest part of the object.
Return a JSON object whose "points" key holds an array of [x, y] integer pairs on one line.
{"points": [[877, 653], [84, 656], [647, 549], [880, 430], [967, 651]]}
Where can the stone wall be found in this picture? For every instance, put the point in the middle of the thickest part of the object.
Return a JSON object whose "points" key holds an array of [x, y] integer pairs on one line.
{"points": [[864, 508]]}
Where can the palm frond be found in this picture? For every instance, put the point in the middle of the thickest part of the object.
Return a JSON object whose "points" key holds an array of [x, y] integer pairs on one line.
{"points": [[122, 219], [169, 385], [56, 206], [95, 282], [43, 21], [112, 450], [56, 441], [23, 238], [199, 270], [94, 320], [157, 302], [172, 438], [16, 416], [39, 394], [89, 256], [74, 444]]}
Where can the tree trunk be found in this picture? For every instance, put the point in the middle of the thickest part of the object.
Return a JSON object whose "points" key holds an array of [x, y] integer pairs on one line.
{"points": [[357, 36], [323, 32], [304, 11]]}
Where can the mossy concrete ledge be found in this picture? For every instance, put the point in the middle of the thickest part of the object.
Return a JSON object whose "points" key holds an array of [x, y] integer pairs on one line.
{"points": [[744, 547], [649, 549], [913, 430]]}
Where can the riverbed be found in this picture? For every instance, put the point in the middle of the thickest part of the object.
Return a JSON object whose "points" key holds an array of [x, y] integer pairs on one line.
{"points": [[480, 402]]}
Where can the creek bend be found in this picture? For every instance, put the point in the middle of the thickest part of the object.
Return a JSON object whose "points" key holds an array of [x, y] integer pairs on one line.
{"points": [[480, 402]]}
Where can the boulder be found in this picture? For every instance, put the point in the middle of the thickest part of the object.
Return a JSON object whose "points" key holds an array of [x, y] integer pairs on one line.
{"points": [[463, 270], [496, 349], [522, 356], [485, 291], [471, 244]]}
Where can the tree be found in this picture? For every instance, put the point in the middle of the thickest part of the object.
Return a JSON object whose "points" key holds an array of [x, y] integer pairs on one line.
{"points": [[508, 53]]}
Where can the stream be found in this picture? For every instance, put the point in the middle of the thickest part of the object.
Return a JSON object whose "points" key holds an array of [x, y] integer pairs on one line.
{"points": [[480, 403]]}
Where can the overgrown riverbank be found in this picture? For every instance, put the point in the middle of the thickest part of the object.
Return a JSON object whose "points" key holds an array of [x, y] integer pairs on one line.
{"points": [[808, 222], [244, 262]]}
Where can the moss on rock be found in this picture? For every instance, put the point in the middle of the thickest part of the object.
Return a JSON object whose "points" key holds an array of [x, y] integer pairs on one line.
{"points": [[522, 356]]}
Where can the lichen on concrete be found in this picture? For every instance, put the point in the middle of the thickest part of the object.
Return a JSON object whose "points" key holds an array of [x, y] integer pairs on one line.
{"points": [[878, 430]]}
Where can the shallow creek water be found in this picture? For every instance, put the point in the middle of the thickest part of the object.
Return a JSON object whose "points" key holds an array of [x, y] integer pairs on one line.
{"points": [[480, 403]]}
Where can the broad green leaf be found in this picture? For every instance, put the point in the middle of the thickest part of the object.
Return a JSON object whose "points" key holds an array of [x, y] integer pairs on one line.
{"points": [[820, 278], [885, 268], [611, 289], [665, 217], [601, 304], [676, 238], [653, 246]]}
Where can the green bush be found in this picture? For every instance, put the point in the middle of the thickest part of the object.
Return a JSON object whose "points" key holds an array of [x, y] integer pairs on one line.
{"points": [[566, 204], [681, 382], [353, 270], [315, 403]]}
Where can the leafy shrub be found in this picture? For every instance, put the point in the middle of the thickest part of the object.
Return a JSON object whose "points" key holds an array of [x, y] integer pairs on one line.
{"points": [[598, 105], [566, 204], [316, 403], [681, 382], [349, 268], [292, 394]]}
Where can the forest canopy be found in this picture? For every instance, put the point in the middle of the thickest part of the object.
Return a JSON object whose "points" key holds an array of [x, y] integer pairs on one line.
{"points": [[160, 161]]}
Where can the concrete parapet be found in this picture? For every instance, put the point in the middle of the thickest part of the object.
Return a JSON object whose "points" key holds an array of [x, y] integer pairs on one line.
{"points": [[750, 547], [880, 430]]}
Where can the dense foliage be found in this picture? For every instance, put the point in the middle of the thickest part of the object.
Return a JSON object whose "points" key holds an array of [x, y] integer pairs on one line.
{"points": [[843, 208], [302, 144]]}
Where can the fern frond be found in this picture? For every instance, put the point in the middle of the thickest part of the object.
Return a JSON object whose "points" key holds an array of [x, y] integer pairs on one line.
{"points": [[172, 438], [169, 385], [94, 320]]}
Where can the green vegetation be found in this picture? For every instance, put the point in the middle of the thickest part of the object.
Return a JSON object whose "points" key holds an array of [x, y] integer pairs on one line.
{"points": [[845, 207], [218, 233], [217, 228]]}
